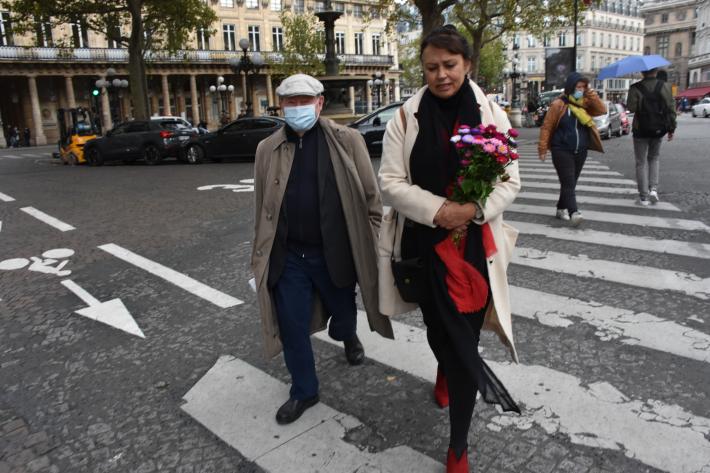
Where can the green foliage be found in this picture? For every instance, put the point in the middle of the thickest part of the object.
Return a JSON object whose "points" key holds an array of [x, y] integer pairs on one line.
{"points": [[491, 64], [303, 43], [412, 74]]}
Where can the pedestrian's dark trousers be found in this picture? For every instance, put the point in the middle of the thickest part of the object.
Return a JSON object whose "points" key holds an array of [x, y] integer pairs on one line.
{"points": [[293, 294], [568, 166]]}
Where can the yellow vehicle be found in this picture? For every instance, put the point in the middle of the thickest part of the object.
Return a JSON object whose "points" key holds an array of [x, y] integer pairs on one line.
{"points": [[75, 129]]}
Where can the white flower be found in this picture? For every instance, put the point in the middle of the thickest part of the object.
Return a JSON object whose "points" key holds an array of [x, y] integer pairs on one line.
{"points": [[456, 138]]}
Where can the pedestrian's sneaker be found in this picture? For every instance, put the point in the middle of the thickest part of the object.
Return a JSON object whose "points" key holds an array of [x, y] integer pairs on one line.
{"points": [[653, 196], [576, 218], [643, 202], [562, 214]]}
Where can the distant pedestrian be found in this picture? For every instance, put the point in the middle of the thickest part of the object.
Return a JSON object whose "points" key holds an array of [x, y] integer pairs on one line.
{"points": [[317, 216], [569, 132], [651, 102], [14, 137], [26, 136]]}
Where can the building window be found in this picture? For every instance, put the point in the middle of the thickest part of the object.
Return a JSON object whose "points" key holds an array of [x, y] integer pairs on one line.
{"points": [[647, 50], [650, 19], [254, 40], [230, 42], [546, 41], [203, 39], [80, 34], [532, 64], [275, 5], [579, 39], [625, 43], [580, 63], [5, 29], [664, 17], [43, 30], [680, 15], [358, 43], [516, 40], [608, 41], [531, 41], [594, 39], [678, 49], [299, 6], [253, 4], [562, 39], [638, 44], [376, 47], [692, 38], [662, 42], [616, 42], [339, 43], [277, 38], [338, 6], [357, 11], [320, 7], [594, 63], [113, 35], [226, 3]]}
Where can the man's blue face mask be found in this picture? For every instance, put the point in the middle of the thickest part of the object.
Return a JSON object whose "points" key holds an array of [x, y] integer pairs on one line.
{"points": [[301, 118]]}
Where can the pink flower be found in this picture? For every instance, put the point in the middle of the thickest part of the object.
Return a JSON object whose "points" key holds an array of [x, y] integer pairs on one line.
{"points": [[465, 162], [495, 142], [467, 139], [514, 156], [460, 145], [489, 148], [460, 180], [503, 149], [491, 129], [478, 140], [513, 133], [468, 154], [502, 159]]}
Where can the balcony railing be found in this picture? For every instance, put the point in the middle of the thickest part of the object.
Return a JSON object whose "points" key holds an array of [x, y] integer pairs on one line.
{"points": [[83, 55]]}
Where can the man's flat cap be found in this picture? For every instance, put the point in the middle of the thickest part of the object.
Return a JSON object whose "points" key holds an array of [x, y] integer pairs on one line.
{"points": [[300, 84]]}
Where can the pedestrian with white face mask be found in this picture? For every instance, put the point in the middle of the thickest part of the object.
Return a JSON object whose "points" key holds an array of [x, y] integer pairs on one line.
{"points": [[317, 215]]}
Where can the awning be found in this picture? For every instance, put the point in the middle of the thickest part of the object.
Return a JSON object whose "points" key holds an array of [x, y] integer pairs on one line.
{"points": [[695, 93]]}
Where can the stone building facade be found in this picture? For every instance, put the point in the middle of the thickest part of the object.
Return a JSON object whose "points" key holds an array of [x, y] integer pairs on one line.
{"points": [[37, 78], [699, 62]]}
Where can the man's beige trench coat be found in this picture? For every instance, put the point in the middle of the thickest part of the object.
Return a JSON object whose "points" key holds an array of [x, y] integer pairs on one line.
{"points": [[421, 206], [362, 207]]}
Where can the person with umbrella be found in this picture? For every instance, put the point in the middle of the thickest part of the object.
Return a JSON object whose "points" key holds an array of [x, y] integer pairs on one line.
{"points": [[651, 101]]}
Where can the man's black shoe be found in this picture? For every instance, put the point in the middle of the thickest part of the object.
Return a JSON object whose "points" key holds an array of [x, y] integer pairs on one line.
{"points": [[354, 352], [293, 408]]}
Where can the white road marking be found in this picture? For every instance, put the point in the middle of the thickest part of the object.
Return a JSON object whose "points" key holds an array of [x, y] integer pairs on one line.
{"points": [[642, 243], [626, 219], [599, 180], [595, 415], [584, 199], [218, 298], [11, 156], [232, 187], [585, 172], [6, 198], [237, 402], [112, 313], [581, 188], [612, 323], [526, 165], [48, 219], [640, 276], [32, 155]]}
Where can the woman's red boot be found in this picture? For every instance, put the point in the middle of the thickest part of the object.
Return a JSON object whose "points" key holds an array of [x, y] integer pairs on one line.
{"points": [[454, 465], [441, 389]]}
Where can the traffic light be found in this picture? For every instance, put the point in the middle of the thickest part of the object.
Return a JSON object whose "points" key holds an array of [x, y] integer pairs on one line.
{"points": [[95, 92]]}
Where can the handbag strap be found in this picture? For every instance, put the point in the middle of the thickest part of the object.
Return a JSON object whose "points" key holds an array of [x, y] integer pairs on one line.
{"points": [[396, 214]]}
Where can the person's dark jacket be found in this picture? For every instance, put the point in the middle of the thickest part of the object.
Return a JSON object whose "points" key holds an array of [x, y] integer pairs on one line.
{"points": [[633, 103]]}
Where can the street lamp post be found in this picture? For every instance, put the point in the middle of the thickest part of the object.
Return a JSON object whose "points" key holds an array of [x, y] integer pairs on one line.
{"points": [[250, 67], [223, 92], [111, 86], [376, 84], [515, 114]]}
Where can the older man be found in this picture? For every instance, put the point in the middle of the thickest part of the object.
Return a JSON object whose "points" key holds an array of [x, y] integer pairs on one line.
{"points": [[318, 212]]}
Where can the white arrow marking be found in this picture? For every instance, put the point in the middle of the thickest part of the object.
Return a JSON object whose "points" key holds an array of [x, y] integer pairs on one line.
{"points": [[112, 312], [232, 187], [6, 198]]}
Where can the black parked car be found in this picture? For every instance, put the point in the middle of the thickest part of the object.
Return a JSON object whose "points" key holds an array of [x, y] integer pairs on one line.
{"points": [[150, 140], [234, 140], [372, 127]]}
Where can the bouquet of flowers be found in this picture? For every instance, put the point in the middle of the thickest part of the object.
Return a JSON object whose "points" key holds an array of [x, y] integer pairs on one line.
{"points": [[485, 152]]}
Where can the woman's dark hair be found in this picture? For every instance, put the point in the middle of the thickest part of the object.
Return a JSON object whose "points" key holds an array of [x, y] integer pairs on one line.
{"points": [[447, 37]]}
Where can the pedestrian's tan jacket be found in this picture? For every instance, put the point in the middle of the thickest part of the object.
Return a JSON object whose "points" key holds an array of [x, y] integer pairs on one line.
{"points": [[362, 207], [594, 107], [421, 206]]}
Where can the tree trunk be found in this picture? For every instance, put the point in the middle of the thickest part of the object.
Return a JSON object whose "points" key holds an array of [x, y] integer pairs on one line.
{"points": [[476, 46], [136, 63], [430, 12]]}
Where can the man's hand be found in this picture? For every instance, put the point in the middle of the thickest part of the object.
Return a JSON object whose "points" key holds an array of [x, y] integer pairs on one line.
{"points": [[670, 136], [543, 156], [452, 215]]}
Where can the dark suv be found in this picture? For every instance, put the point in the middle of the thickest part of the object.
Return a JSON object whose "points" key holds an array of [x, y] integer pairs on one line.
{"points": [[372, 127], [150, 140]]}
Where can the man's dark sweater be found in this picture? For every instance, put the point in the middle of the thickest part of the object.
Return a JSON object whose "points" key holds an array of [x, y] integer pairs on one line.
{"points": [[302, 199]]}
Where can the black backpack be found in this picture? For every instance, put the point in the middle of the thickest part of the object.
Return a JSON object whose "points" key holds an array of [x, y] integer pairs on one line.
{"points": [[653, 116]]}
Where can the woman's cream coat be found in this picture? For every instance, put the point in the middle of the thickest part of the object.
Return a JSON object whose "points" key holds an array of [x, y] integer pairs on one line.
{"points": [[421, 206]]}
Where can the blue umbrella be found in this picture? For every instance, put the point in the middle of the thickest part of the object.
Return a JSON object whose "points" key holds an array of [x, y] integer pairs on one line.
{"points": [[632, 64]]}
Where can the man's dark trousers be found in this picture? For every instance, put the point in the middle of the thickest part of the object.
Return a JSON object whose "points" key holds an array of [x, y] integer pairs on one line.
{"points": [[293, 295]]}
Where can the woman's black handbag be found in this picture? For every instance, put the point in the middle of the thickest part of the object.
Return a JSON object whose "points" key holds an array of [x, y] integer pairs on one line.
{"points": [[408, 273]]}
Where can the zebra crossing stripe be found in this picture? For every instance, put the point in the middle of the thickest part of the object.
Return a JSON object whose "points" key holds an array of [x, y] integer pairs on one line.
{"points": [[626, 326], [640, 276], [11, 156], [618, 240], [6, 198], [611, 217], [237, 402], [581, 188], [599, 180], [551, 166], [585, 171], [31, 155], [585, 199], [592, 414]]}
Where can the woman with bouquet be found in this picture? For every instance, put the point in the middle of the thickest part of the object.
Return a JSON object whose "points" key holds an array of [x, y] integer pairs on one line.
{"points": [[447, 145]]}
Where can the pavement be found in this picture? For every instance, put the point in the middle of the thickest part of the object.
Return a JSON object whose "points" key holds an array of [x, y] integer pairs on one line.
{"points": [[130, 339]]}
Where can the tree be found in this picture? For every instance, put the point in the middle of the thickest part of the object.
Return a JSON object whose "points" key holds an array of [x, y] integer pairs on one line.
{"points": [[491, 64], [304, 41], [486, 21], [411, 65], [147, 25]]}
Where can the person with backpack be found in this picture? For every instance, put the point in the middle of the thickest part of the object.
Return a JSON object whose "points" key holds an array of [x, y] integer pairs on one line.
{"points": [[651, 102]]}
